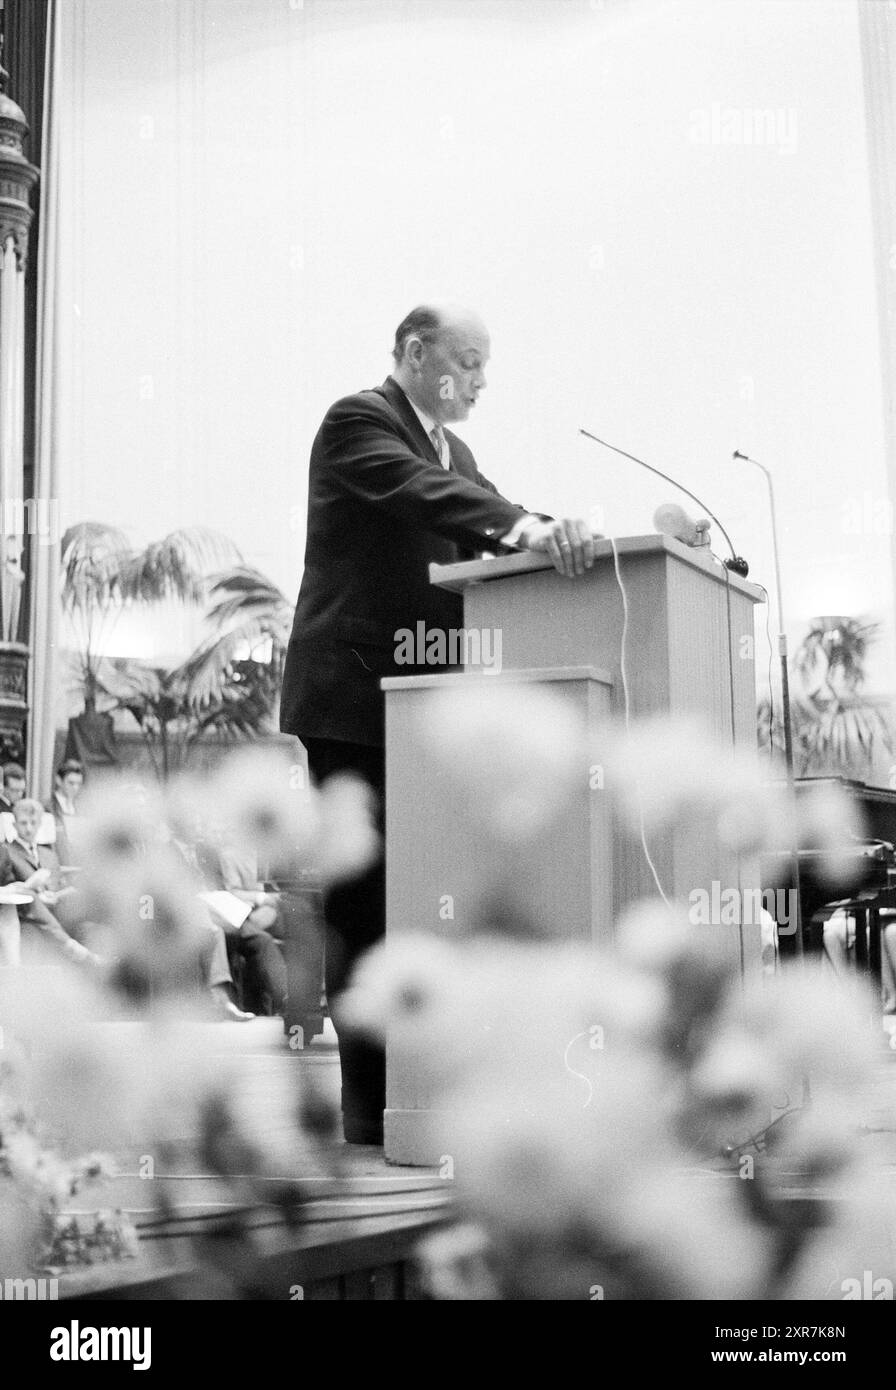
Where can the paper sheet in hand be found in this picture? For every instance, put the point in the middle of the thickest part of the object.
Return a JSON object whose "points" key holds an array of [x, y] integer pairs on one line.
{"points": [[229, 906]]}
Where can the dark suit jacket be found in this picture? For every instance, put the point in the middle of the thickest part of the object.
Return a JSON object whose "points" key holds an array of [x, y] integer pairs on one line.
{"points": [[7, 868], [63, 847], [23, 866], [16, 867], [381, 508]]}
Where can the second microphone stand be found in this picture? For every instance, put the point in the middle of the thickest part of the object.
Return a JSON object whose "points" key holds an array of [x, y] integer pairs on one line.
{"points": [[785, 697]]}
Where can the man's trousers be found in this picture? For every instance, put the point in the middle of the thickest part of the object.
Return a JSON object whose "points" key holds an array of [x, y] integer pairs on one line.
{"points": [[355, 916]]}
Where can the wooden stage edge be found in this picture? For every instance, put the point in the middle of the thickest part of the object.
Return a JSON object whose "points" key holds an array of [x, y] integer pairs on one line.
{"points": [[354, 1237]]}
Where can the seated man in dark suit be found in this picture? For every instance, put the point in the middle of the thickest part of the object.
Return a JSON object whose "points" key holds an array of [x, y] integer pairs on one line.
{"points": [[390, 490], [64, 809], [13, 785], [35, 868]]}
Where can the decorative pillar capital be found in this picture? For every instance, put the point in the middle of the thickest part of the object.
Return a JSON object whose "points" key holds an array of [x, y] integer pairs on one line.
{"points": [[17, 176]]}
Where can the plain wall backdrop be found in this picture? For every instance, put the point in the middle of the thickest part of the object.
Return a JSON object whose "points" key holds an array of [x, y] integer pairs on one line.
{"points": [[257, 190]]}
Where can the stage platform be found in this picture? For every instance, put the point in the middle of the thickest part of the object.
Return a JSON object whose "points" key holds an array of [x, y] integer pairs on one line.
{"points": [[361, 1219]]}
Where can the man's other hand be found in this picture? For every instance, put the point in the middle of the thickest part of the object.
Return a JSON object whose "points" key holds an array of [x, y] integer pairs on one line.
{"points": [[569, 543]]}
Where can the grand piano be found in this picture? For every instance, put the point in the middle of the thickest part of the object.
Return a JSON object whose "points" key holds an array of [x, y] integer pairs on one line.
{"points": [[869, 885]]}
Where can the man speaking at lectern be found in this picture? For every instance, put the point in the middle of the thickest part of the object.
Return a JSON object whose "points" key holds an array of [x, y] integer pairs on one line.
{"points": [[390, 491]]}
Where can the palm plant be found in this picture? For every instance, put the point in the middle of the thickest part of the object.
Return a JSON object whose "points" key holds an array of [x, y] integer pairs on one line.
{"points": [[102, 576], [832, 655], [220, 687], [93, 558], [179, 566], [836, 727], [172, 721], [226, 685], [247, 615]]}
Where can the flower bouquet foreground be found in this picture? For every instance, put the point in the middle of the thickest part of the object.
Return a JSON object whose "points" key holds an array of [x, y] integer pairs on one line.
{"points": [[117, 1079], [639, 1119]]}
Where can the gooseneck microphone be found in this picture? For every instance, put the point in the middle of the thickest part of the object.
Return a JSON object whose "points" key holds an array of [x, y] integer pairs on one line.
{"points": [[737, 564]]}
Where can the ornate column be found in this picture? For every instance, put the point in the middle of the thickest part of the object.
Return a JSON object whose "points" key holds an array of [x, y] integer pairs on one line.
{"points": [[17, 179]]}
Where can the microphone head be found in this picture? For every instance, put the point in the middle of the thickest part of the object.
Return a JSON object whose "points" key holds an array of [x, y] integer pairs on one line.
{"points": [[672, 520], [738, 455]]}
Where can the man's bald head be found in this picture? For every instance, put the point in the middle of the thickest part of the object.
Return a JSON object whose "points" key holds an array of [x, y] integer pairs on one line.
{"points": [[440, 354], [429, 321]]}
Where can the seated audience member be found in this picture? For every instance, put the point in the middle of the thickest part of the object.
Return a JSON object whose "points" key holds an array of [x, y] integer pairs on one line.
{"points": [[64, 809], [34, 868], [768, 942], [202, 965], [888, 962], [839, 945], [15, 789], [251, 942], [220, 977], [5, 803], [13, 784], [839, 940], [228, 866]]}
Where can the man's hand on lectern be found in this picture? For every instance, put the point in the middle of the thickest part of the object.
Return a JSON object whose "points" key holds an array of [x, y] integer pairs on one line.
{"points": [[569, 543]]}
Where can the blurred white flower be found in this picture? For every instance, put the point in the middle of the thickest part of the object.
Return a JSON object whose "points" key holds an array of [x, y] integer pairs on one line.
{"points": [[831, 823], [513, 756], [486, 1006], [150, 922], [800, 1044], [118, 821], [265, 805], [666, 769], [411, 985], [457, 1264], [675, 772], [347, 840], [852, 1255], [651, 935], [754, 815], [39, 1006], [20, 1229], [816, 1024], [575, 1196]]}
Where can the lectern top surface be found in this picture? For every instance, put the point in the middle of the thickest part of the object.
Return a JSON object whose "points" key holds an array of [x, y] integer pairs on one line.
{"points": [[464, 680], [466, 572]]}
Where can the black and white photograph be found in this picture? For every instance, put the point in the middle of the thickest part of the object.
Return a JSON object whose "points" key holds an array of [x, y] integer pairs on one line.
{"points": [[447, 669]]}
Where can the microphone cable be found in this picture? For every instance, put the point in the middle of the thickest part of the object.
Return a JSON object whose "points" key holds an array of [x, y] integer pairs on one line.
{"points": [[627, 710]]}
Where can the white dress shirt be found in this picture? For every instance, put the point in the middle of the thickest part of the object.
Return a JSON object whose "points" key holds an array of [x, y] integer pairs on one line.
{"points": [[429, 424]]}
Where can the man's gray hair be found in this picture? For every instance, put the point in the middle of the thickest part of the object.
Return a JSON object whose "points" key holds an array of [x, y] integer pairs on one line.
{"points": [[29, 803]]}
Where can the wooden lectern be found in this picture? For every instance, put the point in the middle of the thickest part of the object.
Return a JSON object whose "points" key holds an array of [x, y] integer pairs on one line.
{"points": [[689, 651]]}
